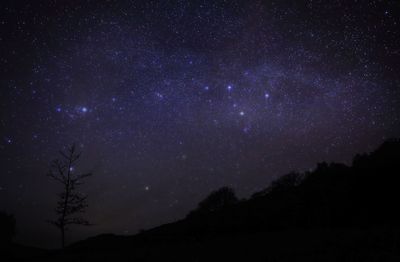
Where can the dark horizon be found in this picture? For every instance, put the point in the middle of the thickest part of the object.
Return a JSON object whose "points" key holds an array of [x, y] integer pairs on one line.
{"points": [[55, 237], [170, 101]]}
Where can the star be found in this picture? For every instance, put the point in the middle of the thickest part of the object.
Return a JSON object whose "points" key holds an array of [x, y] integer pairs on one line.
{"points": [[246, 130], [156, 94], [159, 95]]}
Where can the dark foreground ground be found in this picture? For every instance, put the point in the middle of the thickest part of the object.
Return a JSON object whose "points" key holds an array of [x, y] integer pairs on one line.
{"points": [[373, 244]]}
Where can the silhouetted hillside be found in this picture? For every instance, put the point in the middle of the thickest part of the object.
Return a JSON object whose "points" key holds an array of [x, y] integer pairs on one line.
{"points": [[333, 195], [333, 213]]}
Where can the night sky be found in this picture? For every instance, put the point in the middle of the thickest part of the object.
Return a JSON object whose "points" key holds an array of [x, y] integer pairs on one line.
{"points": [[169, 100]]}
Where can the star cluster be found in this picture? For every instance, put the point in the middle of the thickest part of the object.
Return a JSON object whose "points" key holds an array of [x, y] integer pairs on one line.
{"points": [[169, 100]]}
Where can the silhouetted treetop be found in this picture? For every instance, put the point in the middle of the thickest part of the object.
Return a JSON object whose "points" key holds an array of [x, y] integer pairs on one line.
{"points": [[217, 200], [331, 195]]}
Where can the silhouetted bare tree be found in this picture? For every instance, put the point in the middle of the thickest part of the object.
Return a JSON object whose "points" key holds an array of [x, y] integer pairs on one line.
{"points": [[71, 203]]}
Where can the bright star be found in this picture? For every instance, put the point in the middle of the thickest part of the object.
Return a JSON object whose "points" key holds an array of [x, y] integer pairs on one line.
{"points": [[147, 188], [159, 95], [84, 109], [241, 113], [229, 87], [266, 95]]}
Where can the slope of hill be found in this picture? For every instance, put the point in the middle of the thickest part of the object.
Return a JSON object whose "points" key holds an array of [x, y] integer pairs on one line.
{"points": [[334, 213]]}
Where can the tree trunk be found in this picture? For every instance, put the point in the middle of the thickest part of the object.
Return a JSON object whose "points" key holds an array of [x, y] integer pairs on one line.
{"points": [[62, 237]]}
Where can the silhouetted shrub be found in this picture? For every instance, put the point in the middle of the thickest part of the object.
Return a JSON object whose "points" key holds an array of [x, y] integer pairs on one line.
{"points": [[7, 228]]}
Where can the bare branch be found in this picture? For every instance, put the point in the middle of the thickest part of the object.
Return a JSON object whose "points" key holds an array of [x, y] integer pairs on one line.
{"points": [[69, 201], [81, 176], [53, 176]]}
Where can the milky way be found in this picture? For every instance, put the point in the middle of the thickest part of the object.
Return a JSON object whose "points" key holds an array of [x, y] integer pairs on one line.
{"points": [[169, 100]]}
